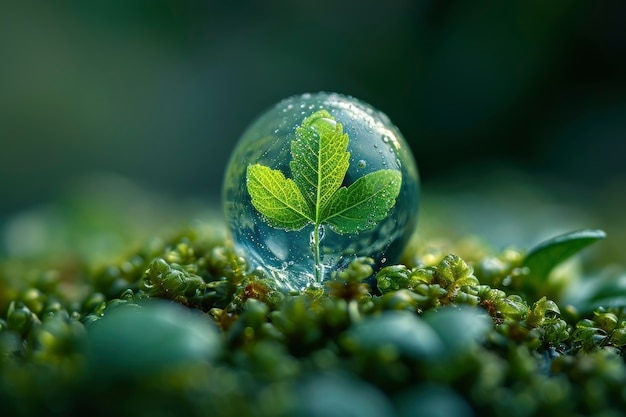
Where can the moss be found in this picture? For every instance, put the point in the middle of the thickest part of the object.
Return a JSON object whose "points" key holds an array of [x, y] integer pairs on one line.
{"points": [[182, 325]]}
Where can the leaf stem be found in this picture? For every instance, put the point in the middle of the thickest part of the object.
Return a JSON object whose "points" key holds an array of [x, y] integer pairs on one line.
{"points": [[316, 253]]}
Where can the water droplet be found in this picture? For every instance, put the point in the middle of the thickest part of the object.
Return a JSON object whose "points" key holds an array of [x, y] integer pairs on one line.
{"points": [[288, 255], [320, 236], [385, 138]]}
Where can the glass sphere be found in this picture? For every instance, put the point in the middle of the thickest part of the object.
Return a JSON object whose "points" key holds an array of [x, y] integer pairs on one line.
{"points": [[306, 252]]}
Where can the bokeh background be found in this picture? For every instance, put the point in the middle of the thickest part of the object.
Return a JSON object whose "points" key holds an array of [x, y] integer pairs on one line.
{"points": [[515, 110]]}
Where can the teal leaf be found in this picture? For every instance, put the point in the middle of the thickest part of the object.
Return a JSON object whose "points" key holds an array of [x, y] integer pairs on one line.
{"points": [[364, 203], [149, 338], [460, 329], [403, 331], [544, 257], [606, 289], [277, 198]]}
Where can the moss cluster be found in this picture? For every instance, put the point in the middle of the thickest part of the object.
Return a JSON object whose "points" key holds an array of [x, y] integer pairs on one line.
{"points": [[184, 327]]}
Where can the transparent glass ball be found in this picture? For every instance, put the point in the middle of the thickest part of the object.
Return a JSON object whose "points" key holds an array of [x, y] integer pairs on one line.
{"points": [[374, 143]]}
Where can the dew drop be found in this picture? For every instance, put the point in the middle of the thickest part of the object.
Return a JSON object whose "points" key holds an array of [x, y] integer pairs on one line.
{"points": [[287, 255], [320, 236]]}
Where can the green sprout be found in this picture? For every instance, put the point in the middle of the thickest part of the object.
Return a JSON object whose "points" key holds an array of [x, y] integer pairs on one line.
{"points": [[315, 195]]}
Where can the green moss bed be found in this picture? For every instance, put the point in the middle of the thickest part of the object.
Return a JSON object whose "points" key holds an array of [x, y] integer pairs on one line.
{"points": [[169, 321]]}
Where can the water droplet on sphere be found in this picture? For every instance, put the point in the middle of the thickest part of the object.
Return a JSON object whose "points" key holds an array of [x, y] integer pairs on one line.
{"points": [[289, 254]]}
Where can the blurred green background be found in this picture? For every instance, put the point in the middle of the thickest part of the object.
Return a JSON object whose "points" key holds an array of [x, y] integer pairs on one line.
{"points": [[491, 95]]}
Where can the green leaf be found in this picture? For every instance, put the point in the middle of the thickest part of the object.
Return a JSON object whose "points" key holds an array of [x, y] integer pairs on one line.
{"points": [[363, 204], [277, 198], [319, 165], [544, 257], [320, 160]]}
